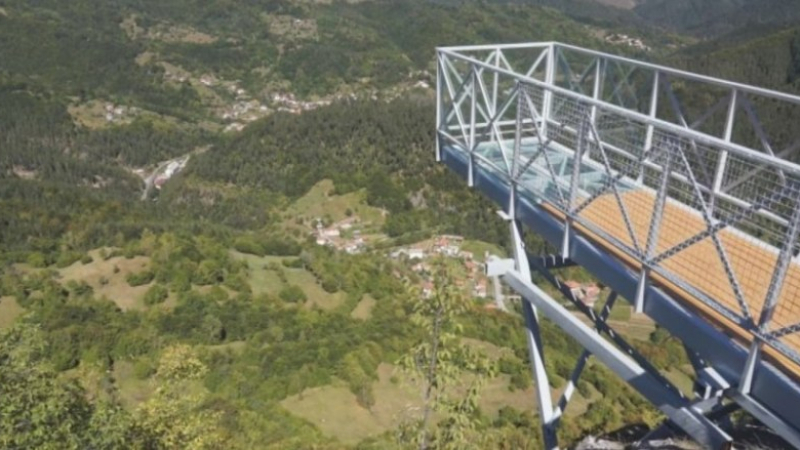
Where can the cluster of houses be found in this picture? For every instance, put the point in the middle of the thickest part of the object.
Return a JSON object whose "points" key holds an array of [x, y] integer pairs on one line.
{"points": [[117, 113], [449, 246], [246, 109], [624, 39], [288, 103], [175, 76], [243, 112], [342, 235]]}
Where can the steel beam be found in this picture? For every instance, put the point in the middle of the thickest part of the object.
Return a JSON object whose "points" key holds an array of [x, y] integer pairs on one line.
{"points": [[535, 345], [673, 406]]}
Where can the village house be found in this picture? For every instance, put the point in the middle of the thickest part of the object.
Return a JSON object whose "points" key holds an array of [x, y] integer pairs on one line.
{"points": [[427, 289], [421, 267], [479, 289], [592, 292], [574, 288], [470, 265], [411, 253], [586, 294]]}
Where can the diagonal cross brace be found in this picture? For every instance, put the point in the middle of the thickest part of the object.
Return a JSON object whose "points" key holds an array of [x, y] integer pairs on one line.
{"points": [[764, 203], [459, 95], [678, 409], [611, 181], [617, 196], [676, 108], [581, 363], [622, 83], [726, 264], [463, 92], [492, 122], [544, 152], [784, 154], [602, 326], [543, 145], [453, 97], [781, 332], [759, 129]]}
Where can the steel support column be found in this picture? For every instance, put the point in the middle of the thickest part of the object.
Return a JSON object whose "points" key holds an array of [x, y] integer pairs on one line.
{"points": [[439, 99], [535, 346]]}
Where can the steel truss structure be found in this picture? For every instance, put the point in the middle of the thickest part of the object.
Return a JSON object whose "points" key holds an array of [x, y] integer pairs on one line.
{"points": [[668, 188]]}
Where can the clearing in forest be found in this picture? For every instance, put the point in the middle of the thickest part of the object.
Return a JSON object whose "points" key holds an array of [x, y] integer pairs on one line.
{"points": [[265, 278], [335, 411], [320, 201], [108, 278], [363, 310], [479, 249], [9, 311]]}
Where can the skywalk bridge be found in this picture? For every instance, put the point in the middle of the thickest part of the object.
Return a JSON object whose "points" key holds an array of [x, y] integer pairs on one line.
{"points": [[665, 185]]}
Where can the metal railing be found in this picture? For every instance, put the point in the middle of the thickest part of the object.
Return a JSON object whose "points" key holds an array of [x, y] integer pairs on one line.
{"points": [[671, 170]]}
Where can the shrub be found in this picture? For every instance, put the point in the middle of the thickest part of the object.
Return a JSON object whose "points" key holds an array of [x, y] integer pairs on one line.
{"points": [[37, 259], [209, 271], [520, 381], [143, 368], [238, 283], [66, 259], [247, 244], [293, 263], [281, 246], [156, 294], [292, 294], [140, 278], [330, 285]]}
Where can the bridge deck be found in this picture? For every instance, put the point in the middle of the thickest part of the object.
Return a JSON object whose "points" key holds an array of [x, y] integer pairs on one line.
{"points": [[697, 267]]}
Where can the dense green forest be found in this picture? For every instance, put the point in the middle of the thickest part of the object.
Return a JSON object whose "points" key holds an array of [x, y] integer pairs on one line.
{"points": [[314, 48], [715, 18], [202, 315]]}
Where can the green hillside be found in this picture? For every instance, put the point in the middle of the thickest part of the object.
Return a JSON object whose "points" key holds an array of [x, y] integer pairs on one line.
{"points": [[203, 309], [712, 18]]}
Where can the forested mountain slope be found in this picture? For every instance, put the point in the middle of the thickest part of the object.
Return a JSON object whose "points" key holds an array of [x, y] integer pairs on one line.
{"points": [[768, 59], [304, 47], [62, 62], [709, 18], [205, 315]]}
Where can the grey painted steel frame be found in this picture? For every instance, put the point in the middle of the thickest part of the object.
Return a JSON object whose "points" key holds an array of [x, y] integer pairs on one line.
{"points": [[772, 397], [745, 373], [468, 88]]}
